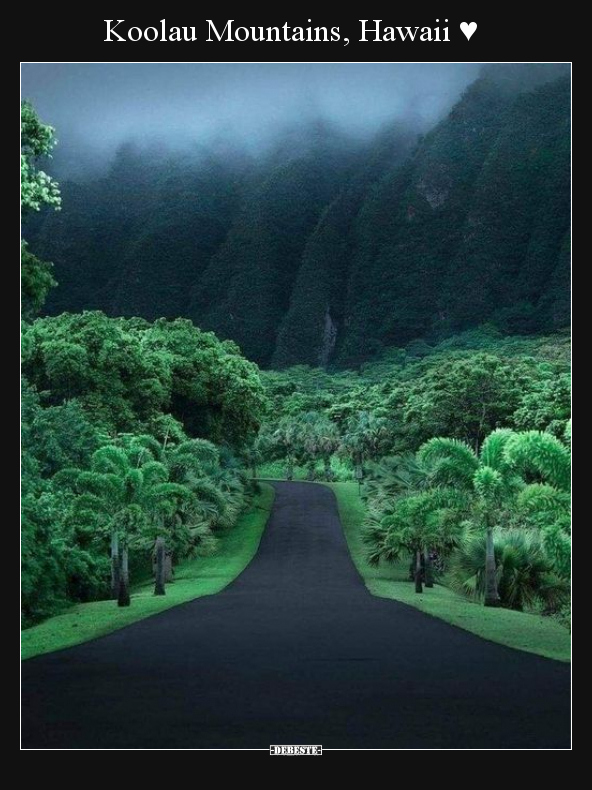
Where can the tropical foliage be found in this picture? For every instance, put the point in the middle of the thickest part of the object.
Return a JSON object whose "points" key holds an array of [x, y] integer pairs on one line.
{"points": [[90, 495], [411, 295], [525, 573], [501, 514], [130, 434], [457, 447]]}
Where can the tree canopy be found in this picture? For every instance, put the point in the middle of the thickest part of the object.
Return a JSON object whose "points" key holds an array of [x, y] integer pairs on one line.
{"points": [[127, 372]]}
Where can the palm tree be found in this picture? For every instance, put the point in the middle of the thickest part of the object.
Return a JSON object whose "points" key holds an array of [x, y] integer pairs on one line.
{"points": [[508, 465], [328, 442], [365, 439], [545, 501], [525, 573], [217, 485], [286, 440], [396, 475], [540, 456], [392, 478], [416, 523], [160, 575], [127, 501], [190, 457], [252, 455], [319, 439], [452, 462]]}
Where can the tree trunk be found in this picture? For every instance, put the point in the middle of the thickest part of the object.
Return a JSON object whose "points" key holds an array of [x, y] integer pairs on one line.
{"points": [[114, 566], [123, 596], [327, 462], [168, 567], [418, 585], [289, 470], [428, 569], [310, 473], [491, 593], [159, 588]]}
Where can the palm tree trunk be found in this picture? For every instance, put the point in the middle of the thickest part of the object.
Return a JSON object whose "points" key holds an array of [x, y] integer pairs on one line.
{"points": [[159, 587], [168, 567], [123, 597], [428, 568], [491, 593], [418, 585], [114, 565]]}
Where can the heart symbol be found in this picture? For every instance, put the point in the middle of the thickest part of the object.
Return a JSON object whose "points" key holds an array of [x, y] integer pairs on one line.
{"points": [[468, 28]]}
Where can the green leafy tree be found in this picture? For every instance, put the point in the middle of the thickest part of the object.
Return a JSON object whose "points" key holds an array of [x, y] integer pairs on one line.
{"points": [[37, 141], [546, 406], [56, 436], [128, 373], [215, 391], [547, 509], [36, 281], [37, 190], [539, 456], [464, 398], [59, 565]]}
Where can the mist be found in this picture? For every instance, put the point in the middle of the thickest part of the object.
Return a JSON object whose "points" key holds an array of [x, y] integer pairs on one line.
{"points": [[97, 107]]}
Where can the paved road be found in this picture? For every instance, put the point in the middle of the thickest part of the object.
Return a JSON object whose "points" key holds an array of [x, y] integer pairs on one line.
{"points": [[295, 651]]}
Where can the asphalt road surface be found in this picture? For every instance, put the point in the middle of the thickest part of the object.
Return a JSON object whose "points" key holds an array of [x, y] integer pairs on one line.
{"points": [[295, 651]]}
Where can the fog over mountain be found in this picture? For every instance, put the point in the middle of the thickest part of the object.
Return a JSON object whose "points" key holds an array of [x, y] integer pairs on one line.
{"points": [[344, 233], [96, 107]]}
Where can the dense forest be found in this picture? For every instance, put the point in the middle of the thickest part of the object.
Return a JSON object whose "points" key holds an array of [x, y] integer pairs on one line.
{"points": [[407, 299], [131, 434], [325, 250]]}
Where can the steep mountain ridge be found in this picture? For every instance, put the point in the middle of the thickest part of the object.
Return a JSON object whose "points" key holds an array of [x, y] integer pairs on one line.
{"points": [[326, 251]]}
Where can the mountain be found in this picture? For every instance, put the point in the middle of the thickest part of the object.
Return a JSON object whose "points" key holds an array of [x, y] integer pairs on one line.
{"points": [[325, 250]]}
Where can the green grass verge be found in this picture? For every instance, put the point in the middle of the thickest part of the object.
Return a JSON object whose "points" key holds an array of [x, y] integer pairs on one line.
{"points": [[193, 578], [529, 632]]}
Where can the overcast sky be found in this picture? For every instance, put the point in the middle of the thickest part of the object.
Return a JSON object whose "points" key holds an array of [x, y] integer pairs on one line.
{"points": [[100, 105]]}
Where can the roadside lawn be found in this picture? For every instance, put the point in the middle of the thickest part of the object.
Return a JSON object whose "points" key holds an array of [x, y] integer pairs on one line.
{"points": [[193, 578], [522, 631]]}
